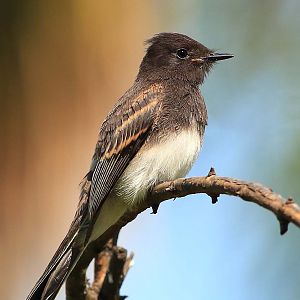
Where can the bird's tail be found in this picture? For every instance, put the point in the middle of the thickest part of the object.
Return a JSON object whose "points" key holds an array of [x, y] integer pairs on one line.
{"points": [[61, 265], [61, 272], [67, 254]]}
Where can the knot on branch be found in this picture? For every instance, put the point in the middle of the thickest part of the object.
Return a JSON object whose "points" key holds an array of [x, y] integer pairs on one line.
{"points": [[213, 196], [212, 172], [283, 221]]}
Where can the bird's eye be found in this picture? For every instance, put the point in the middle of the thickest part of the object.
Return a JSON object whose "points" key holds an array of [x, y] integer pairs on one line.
{"points": [[182, 53]]}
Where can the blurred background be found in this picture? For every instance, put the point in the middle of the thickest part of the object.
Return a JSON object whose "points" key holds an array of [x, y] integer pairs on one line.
{"points": [[62, 66]]}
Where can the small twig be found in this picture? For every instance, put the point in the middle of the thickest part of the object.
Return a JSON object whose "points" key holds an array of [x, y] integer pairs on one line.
{"points": [[111, 267], [128, 264], [102, 265], [115, 276]]}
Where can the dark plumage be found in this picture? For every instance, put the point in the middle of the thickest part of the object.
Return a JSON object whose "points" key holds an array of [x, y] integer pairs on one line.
{"points": [[153, 133], [161, 60]]}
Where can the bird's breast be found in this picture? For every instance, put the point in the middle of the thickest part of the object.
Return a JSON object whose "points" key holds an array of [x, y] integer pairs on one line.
{"points": [[157, 162]]}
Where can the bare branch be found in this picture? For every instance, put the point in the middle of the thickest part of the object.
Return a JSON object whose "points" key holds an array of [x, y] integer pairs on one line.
{"points": [[111, 267], [102, 263], [286, 210], [115, 276]]}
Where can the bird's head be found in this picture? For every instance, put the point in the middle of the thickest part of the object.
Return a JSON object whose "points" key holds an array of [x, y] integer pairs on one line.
{"points": [[174, 55]]}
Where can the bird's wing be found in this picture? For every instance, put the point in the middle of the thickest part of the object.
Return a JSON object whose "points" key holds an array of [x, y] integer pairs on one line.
{"points": [[121, 136]]}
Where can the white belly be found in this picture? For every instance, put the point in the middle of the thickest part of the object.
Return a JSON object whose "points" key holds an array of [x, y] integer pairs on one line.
{"points": [[164, 161]]}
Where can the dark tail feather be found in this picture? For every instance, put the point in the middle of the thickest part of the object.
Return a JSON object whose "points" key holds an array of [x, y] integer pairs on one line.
{"points": [[37, 291], [58, 276], [60, 265], [48, 287], [67, 254], [50, 283]]}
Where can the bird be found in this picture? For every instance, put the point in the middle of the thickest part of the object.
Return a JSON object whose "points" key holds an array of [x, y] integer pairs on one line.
{"points": [[154, 133]]}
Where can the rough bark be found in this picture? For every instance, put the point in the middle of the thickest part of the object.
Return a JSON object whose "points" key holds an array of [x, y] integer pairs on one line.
{"points": [[286, 211]]}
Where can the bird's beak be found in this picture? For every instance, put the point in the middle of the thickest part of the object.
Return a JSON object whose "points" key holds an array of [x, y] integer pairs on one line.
{"points": [[212, 57]]}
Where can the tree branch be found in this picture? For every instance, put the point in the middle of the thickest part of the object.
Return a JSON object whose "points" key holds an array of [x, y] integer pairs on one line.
{"points": [[111, 267], [286, 210], [102, 262]]}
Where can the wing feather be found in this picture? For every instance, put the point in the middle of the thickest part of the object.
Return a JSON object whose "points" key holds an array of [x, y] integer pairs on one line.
{"points": [[122, 134]]}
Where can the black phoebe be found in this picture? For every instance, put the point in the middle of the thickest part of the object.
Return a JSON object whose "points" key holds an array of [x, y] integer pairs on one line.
{"points": [[153, 134]]}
